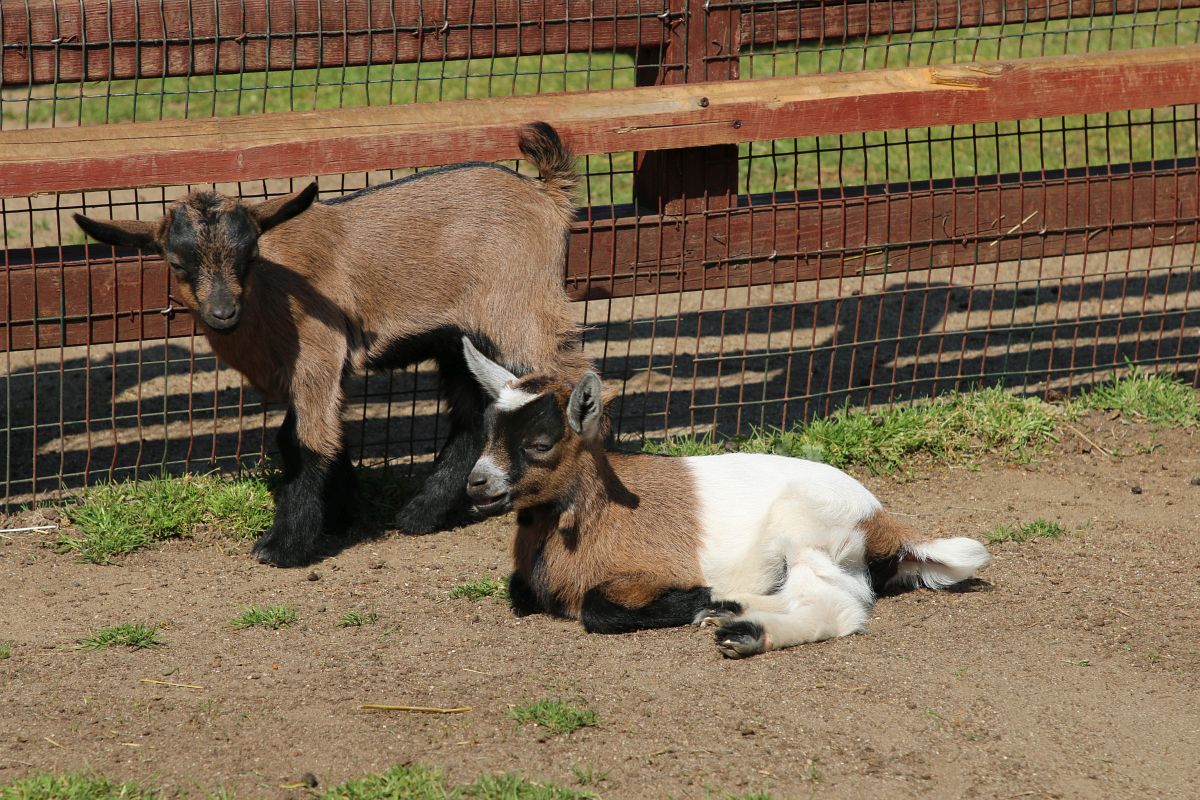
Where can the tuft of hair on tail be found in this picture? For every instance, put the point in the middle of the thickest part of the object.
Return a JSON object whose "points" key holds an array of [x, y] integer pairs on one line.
{"points": [[900, 557], [542, 147]]}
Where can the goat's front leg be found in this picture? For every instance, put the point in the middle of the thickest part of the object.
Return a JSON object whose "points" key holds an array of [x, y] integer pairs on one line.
{"points": [[613, 609], [318, 481], [522, 596]]}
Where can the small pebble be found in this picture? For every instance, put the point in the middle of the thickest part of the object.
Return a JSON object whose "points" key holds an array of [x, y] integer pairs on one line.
{"points": [[309, 780], [1135, 489], [1195, 481], [312, 576]]}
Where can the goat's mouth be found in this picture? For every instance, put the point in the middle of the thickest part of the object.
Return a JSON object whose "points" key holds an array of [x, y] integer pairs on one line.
{"points": [[222, 325], [491, 506]]}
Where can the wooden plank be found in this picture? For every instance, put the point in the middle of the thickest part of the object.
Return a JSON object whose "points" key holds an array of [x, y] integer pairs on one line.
{"points": [[697, 178], [829, 23], [644, 118], [83, 294], [890, 229], [46, 41]]}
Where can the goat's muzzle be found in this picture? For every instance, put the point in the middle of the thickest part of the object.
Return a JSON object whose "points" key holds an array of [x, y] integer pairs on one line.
{"points": [[222, 317], [489, 489]]}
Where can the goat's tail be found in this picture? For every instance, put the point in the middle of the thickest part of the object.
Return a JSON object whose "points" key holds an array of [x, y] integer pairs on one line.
{"points": [[541, 146], [901, 557]]}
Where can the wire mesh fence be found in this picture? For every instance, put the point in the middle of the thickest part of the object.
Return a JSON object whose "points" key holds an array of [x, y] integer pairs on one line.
{"points": [[723, 287]]}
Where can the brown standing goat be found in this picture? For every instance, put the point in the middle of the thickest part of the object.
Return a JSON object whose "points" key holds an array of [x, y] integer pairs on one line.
{"points": [[294, 294]]}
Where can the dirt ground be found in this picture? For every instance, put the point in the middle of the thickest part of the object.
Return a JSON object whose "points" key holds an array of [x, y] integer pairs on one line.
{"points": [[1073, 674]]}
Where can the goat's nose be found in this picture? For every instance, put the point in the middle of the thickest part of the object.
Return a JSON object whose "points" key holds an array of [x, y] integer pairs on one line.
{"points": [[223, 312], [476, 480]]}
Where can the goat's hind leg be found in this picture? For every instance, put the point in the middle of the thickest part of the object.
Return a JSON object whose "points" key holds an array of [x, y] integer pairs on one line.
{"points": [[443, 496], [442, 499], [819, 600]]}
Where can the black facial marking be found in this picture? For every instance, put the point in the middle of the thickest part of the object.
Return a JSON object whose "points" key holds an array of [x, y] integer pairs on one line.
{"points": [[183, 244], [671, 609], [538, 421], [230, 235]]}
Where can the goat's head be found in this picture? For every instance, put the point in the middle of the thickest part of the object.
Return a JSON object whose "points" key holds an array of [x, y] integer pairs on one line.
{"points": [[210, 241], [536, 429]]}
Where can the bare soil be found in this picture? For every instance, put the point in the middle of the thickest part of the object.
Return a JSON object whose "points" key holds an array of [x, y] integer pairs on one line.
{"points": [[1072, 674]]}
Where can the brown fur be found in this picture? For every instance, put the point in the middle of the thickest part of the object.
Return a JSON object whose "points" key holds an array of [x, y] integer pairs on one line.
{"points": [[624, 523], [885, 535]]}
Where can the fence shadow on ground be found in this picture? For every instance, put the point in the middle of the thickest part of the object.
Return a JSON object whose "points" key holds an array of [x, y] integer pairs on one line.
{"points": [[144, 411]]}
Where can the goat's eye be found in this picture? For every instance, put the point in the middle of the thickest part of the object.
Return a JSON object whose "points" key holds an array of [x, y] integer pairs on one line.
{"points": [[539, 447]]}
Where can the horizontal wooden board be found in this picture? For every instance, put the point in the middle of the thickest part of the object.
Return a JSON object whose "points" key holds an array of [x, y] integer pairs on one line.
{"points": [[833, 22], [644, 118], [81, 294], [47, 41], [889, 229]]}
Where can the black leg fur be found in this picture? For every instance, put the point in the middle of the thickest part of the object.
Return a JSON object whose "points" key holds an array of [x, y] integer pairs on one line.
{"points": [[740, 638], [313, 499], [671, 609], [442, 499], [524, 599]]}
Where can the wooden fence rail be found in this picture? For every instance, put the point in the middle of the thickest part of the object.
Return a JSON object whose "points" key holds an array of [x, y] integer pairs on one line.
{"points": [[689, 115]]}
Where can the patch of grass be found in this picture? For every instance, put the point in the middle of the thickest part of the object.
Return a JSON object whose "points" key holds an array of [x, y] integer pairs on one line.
{"points": [[481, 588], [46, 786], [273, 617], [513, 787], [118, 518], [556, 716], [1036, 529], [417, 782], [1154, 398], [413, 782], [956, 428], [135, 637], [356, 619], [5, 651], [586, 776]]}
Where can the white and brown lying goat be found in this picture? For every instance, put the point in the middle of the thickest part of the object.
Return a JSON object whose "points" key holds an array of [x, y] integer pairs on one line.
{"points": [[294, 293], [775, 551]]}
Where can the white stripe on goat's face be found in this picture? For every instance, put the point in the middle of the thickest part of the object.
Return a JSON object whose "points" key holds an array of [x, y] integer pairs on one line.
{"points": [[512, 398]]}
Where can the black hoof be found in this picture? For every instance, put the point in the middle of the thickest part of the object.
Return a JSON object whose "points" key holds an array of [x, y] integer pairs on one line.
{"points": [[271, 548], [418, 518], [740, 638], [717, 612]]}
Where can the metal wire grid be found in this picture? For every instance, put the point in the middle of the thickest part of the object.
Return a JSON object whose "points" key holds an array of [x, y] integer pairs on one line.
{"points": [[791, 38], [171, 59], [725, 359]]}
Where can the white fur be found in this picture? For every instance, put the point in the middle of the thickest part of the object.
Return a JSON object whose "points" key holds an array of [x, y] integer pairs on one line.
{"points": [[757, 511], [940, 563], [511, 399]]}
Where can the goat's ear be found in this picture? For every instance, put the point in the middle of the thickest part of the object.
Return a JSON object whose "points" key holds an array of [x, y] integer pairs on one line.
{"points": [[586, 406], [491, 376], [270, 213], [121, 232]]}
